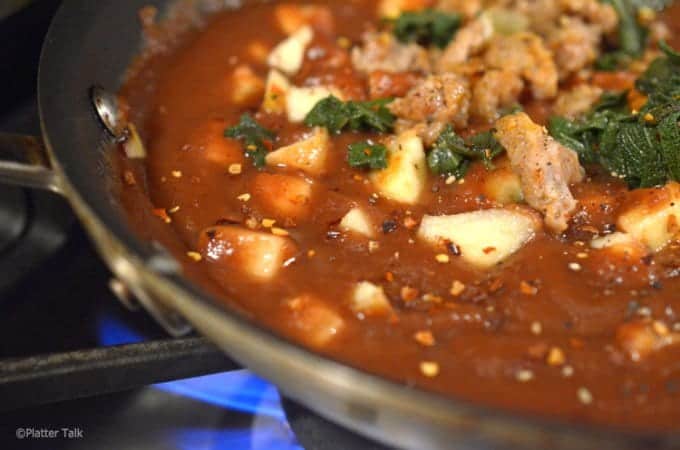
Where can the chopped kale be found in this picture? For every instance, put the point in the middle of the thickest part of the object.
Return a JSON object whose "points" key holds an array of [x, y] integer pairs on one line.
{"points": [[642, 147], [612, 61], [661, 82], [336, 115], [256, 139], [452, 155], [632, 35], [669, 133], [367, 155], [427, 27]]}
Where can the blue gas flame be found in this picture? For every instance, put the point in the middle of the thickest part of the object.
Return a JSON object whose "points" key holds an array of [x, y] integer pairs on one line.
{"points": [[240, 391]]}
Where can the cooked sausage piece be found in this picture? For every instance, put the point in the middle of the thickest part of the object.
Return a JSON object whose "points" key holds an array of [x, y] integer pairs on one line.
{"points": [[495, 90], [438, 98], [576, 101], [575, 45], [469, 41], [381, 51], [545, 167], [526, 55]]}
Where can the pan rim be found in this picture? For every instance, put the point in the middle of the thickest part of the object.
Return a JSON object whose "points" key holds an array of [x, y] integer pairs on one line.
{"points": [[122, 243]]}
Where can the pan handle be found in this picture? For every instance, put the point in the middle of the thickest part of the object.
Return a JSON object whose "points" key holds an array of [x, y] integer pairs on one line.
{"points": [[24, 162]]}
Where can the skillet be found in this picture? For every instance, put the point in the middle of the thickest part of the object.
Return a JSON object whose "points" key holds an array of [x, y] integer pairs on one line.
{"points": [[92, 43]]}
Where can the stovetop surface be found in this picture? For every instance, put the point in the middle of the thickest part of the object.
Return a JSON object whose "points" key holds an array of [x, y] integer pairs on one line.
{"points": [[54, 297]]}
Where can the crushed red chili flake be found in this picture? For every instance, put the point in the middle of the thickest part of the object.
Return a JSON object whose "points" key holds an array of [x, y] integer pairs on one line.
{"points": [[432, 298], [556, 357], [496, 285], [527, 288], [409, 294], [162, 214], [410, 223], [425, 338], [457, 288], [129, 178]]}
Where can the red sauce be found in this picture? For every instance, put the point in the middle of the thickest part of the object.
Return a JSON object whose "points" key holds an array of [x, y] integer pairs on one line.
{"points": [[537, 334]]}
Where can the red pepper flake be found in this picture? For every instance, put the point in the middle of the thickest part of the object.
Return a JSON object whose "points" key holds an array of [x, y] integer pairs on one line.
{"points": [[496, 285], [276, 231], [129, 178], [410, 223], [162, 214], [556, 357], [409, 294], [425, 338], [432, 298], [576, 343], [488, 250], [528, 288], [457, 288], [389, 276]]}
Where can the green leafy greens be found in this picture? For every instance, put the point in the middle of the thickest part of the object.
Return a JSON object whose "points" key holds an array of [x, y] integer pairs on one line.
{"points": [[336, 115], [427, 27], [367, 155], [642, 147], [257, 140], [451, 154], [632, 35]]}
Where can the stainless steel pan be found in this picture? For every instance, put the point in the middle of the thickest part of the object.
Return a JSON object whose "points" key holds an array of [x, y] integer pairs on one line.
{"points": [[91, 43]]}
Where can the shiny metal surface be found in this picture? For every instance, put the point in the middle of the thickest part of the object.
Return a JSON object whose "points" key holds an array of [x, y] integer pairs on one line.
{"points": [[106, 105], [24, 163]]}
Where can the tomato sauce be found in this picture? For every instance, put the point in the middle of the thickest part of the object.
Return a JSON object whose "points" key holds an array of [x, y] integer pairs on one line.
{"points": [[539, 334]]}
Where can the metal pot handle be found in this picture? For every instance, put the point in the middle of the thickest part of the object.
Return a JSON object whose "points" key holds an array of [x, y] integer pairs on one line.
{"points": [[24, 162]]}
